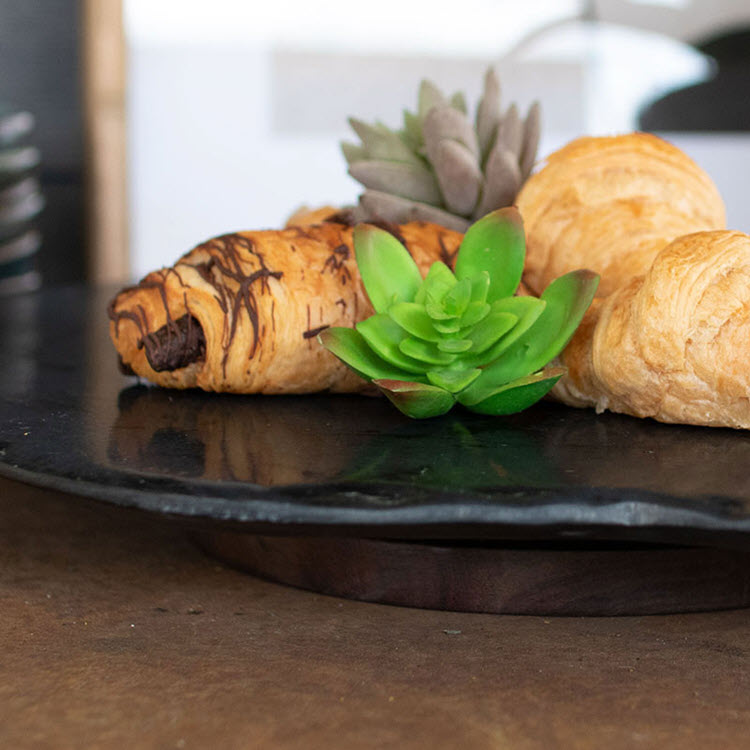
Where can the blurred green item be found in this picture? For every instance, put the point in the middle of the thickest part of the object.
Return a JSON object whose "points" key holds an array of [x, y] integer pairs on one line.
{"points": [[460, 336]]}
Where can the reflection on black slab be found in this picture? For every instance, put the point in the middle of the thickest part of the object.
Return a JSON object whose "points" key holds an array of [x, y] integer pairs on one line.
{"points": [[275, 441], [456, 452], [611, 451], [70, 420], [265, 440], [177, 453]]}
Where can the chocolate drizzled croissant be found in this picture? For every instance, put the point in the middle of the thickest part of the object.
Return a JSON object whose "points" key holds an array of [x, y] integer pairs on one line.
{"points": [[240, 312]]}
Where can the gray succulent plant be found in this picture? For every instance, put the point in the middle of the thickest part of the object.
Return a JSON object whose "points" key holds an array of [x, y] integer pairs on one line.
{"points": [[442, 166]]}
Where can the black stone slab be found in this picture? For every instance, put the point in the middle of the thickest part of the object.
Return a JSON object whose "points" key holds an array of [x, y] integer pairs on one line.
{"points": [[347, 465]]}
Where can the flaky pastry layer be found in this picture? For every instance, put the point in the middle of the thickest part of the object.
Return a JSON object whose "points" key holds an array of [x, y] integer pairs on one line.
{"points": [[610, 204], [674, 343]]}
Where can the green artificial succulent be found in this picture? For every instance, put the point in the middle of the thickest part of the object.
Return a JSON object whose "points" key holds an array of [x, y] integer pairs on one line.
{"points": [[460, 336]]}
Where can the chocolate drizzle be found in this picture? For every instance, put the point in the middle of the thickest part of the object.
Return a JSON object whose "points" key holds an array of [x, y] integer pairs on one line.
{"points": [[138, 315], [226, 261], [181, 342], [336, 262], [447, 257], [115, 315], [311, 333], [345, 216], [175, 345]]}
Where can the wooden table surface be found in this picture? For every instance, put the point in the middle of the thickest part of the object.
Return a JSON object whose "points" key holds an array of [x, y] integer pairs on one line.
{"points": [[116, 631]]}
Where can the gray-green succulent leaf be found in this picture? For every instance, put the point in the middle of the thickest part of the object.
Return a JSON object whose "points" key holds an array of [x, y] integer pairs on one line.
{"points": [[443, 165]]}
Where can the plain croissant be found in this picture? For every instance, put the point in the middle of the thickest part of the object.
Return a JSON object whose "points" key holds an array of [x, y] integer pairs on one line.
{"points": [[610, 204], [673, 344], [670, 339]]}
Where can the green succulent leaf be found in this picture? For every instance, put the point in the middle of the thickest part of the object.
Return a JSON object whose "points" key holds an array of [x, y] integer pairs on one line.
{"points": [[388, 272], [349, 346], [511, 397], [453, 380], [495, 244], [436, 284], [429, 96], [493, 327], [454, 346], [385, 336], [413, 181], [414, 320], [480, 285], [448, 326], [457, 299], [417, 400], [352, 152], [437, 312], [458, 102], [424, 351], [474, 313], [566, 300], [526, 309]]}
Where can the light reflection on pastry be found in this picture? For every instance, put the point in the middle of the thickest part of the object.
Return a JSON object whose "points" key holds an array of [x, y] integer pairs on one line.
{"points": [[611, 204]]}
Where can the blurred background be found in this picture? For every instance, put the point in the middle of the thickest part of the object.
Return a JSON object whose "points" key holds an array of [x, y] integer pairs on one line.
{"points": [[163, 122]]}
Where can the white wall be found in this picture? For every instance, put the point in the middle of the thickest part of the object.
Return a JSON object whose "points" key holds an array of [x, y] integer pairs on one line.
{"points": [[235, 115], [236, 138]]}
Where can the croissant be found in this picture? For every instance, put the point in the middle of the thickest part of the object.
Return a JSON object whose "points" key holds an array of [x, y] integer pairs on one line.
{"points": [[240, 312], [610, 204], [673, 344]]}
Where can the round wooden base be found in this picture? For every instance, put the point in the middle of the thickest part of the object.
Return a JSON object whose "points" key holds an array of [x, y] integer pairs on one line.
{"points": [[481, 577]]}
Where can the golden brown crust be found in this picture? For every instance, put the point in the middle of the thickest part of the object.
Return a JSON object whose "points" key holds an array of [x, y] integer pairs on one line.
{"points": [[610, 204], [252, 304], [672, 344], [305, 216]]}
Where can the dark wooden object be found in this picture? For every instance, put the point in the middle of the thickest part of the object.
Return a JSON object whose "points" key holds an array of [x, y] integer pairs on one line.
{"points": [[556, 580], [342, 467]]}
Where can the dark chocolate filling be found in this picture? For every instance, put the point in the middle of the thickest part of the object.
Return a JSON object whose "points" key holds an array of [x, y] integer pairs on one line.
{"points": [[177, 344]]}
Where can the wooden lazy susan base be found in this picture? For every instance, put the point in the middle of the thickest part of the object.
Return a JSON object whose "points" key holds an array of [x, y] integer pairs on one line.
{"points": [[513, 579]]}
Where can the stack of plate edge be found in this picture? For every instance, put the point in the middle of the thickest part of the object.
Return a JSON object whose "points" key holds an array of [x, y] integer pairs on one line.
{"points": [[21, 202]]}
